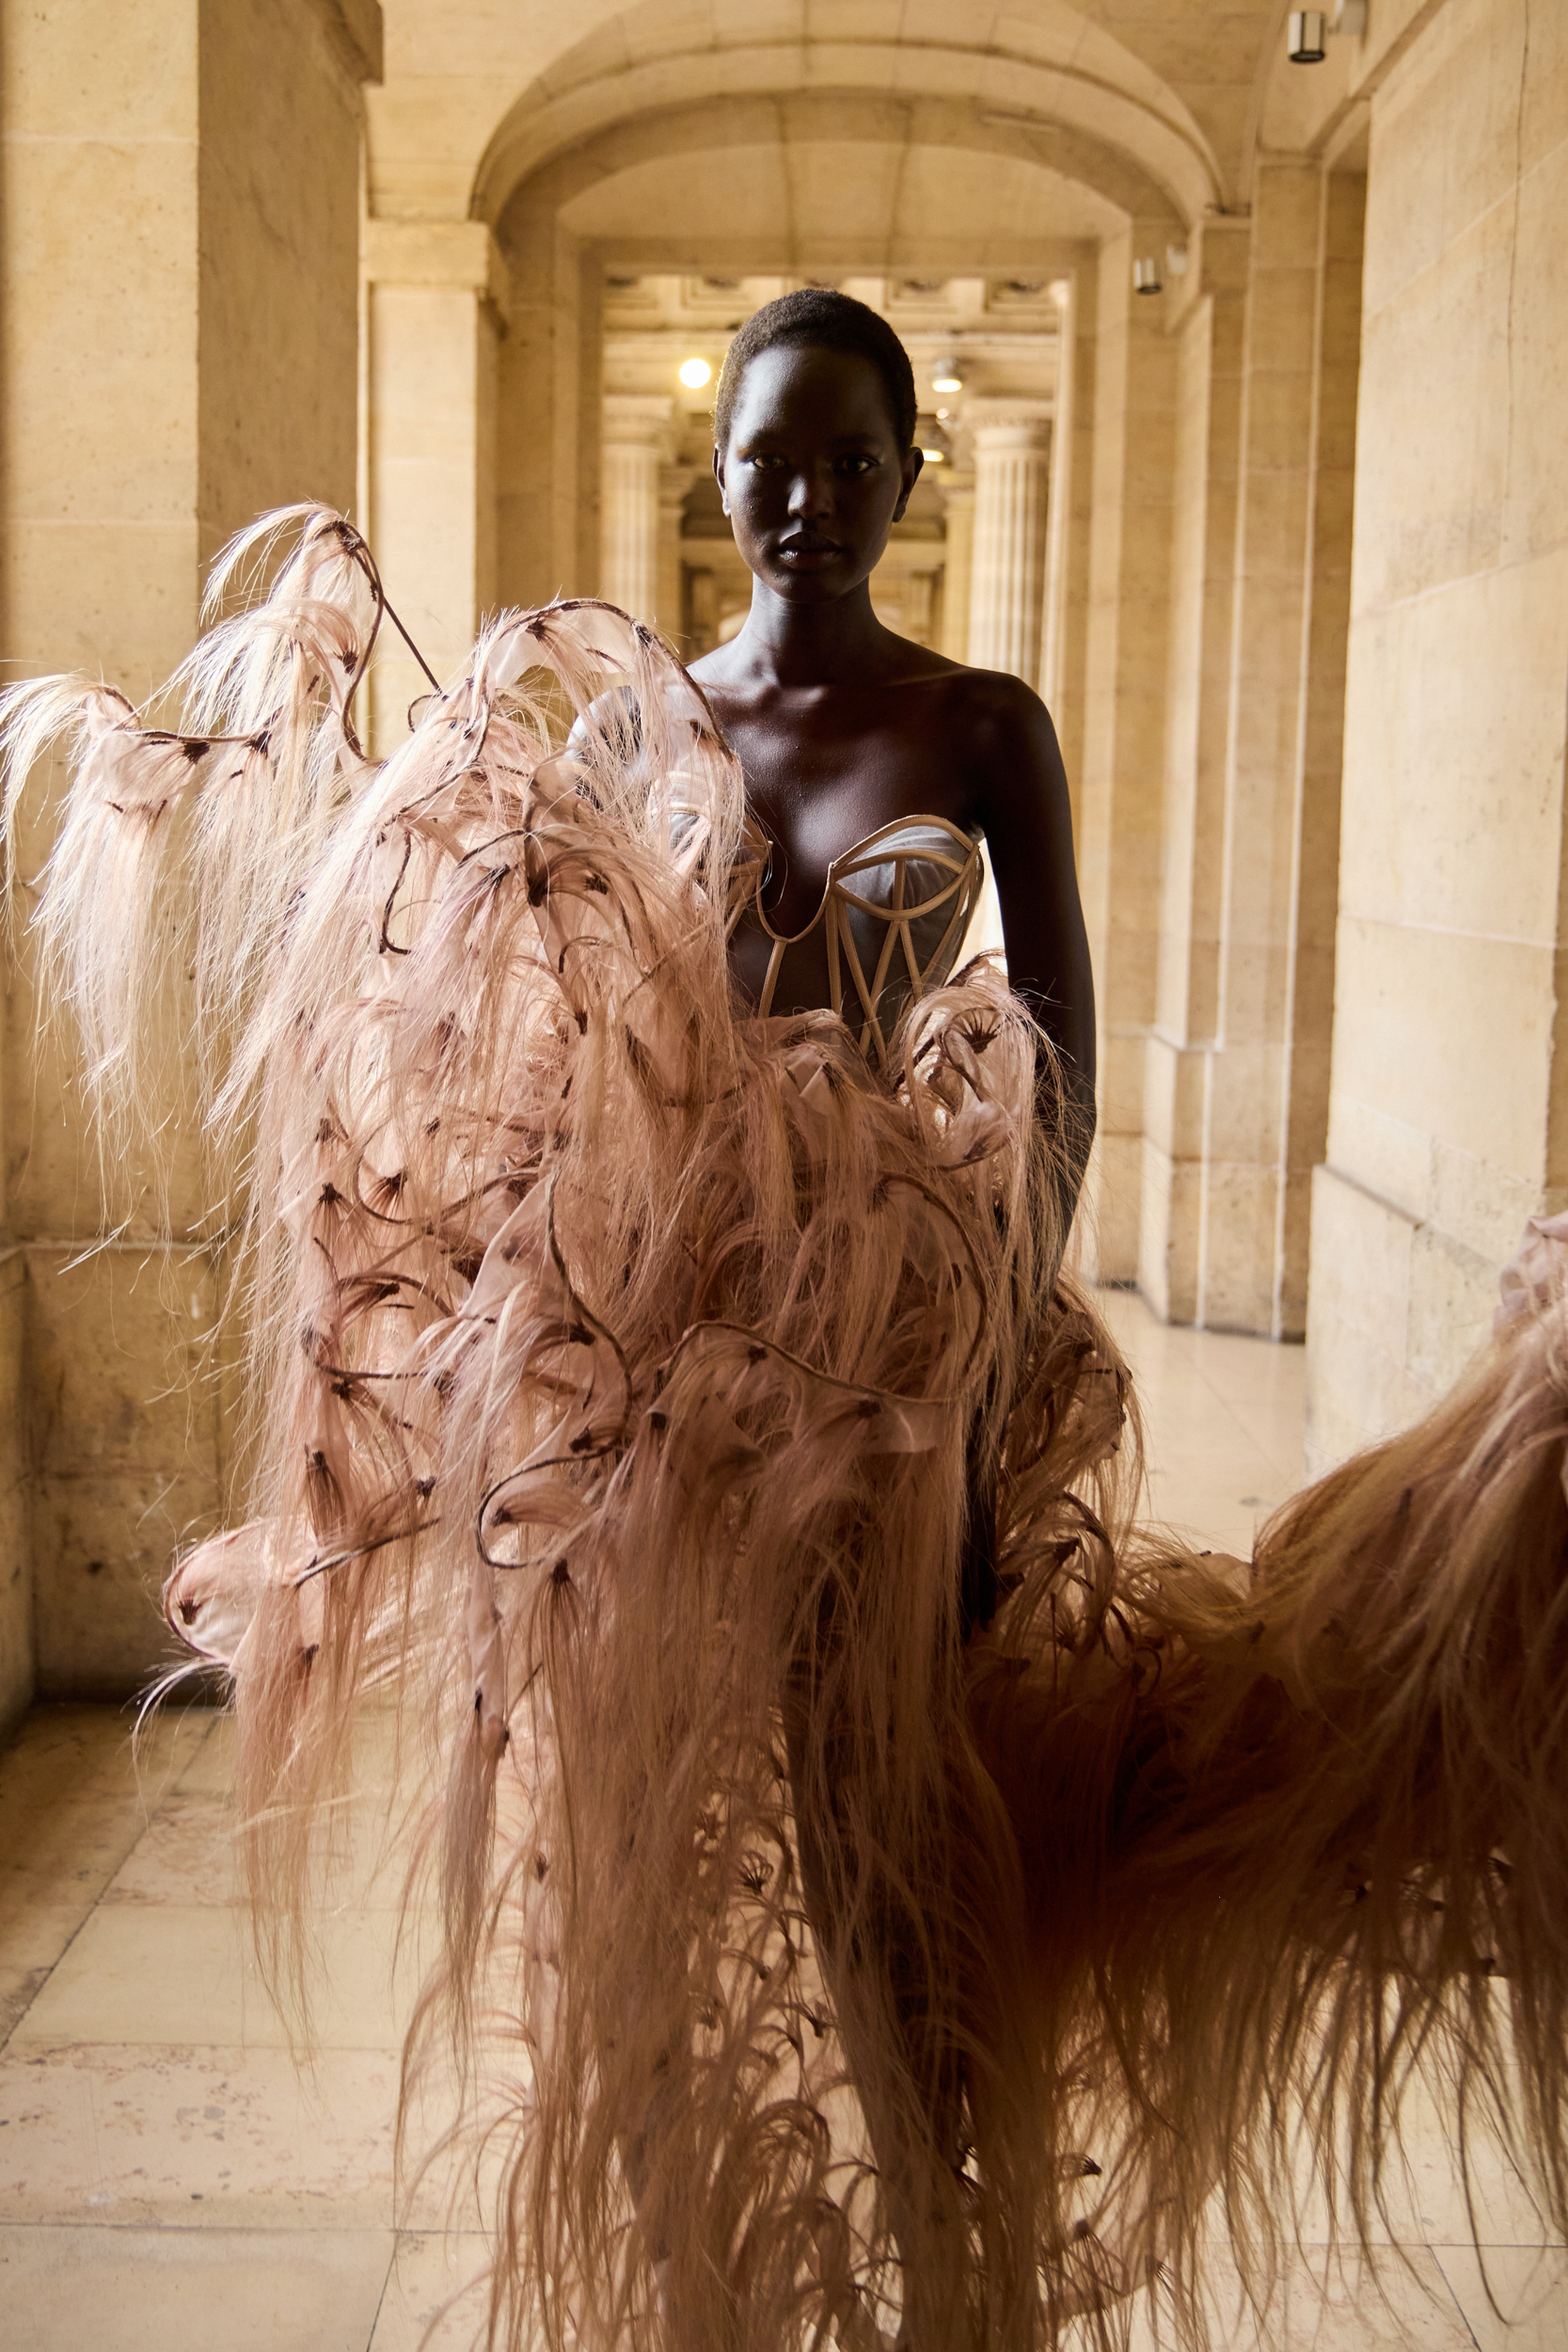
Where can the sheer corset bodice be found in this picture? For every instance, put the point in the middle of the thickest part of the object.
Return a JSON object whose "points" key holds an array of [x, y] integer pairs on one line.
{"points": [[894, 911]]}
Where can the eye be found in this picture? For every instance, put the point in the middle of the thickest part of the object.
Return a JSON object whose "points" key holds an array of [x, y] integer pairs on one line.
{"points": [[765, 460], [857, 463]]}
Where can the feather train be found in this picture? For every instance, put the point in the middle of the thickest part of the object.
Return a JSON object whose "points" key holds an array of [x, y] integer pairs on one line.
{"points": [[627, 1368]]}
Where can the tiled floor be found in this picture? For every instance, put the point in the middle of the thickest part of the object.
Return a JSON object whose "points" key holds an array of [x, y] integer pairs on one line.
{"points": [[170, 2179]]}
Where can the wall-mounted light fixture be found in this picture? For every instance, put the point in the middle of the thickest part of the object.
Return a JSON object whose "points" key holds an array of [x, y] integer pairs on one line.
{"points": [[934, 456], [694, 373], [1306, 34], [1146, 275], [947, 376]]}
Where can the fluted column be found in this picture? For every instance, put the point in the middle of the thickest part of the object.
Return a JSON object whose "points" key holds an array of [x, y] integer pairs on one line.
{"points": [[674, 484], [1011, 440], [637, 434], [958, 506]]}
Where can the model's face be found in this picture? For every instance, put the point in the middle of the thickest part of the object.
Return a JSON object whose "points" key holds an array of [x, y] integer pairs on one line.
{"points": [[812, 478]]}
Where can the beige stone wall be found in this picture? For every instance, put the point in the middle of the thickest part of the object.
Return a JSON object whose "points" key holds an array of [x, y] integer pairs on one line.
{"points": [[277, 164], [17, 1667], [1450, 1080], [179, 235]]}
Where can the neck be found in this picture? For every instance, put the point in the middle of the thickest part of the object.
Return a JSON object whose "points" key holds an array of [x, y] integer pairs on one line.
{"points": [[785, 644]]}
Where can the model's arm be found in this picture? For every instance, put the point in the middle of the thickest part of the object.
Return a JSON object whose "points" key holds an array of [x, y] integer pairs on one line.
{"points": [[1023, 805]]}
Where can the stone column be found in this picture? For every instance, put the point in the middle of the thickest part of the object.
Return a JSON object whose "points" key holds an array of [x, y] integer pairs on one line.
{"points": [[436, 290], [1011, 442], [1252, 1268], [674, 484], [637, 442], [958, 505], [1127, 629], [548, 408], [1183, 1038]]}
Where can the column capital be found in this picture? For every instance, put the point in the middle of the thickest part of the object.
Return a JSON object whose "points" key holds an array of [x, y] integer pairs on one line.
{"points": [[641, 421], [998, 424], [456, 253]]}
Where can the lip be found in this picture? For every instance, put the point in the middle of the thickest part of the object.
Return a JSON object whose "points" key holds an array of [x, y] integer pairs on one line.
{"points": [[808, 553]]}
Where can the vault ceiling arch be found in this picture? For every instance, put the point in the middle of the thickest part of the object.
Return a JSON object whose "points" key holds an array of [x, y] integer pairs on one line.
{"points": [[1130, 140], [935, 183]]}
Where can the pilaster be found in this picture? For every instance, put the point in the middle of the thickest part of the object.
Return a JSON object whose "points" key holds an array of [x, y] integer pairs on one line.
{"points": [[958, 506], [435, 292], [638, 440]]}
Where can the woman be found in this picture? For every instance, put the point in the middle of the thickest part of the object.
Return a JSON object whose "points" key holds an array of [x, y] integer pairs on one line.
{"points": [[907, 1891], [840, 727]]}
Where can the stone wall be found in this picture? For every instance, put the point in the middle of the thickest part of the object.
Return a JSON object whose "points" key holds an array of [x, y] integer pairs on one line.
{"points": [[1450, 1078], [178, 282]]}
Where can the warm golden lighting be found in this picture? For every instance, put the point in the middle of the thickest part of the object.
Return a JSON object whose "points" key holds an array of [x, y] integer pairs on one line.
{"points": [[695, 373], [934, 456]]}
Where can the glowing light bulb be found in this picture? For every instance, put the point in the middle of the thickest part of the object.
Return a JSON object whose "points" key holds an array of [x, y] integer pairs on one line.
{"points": [[694, 373], [934, 456], [945, 376]]}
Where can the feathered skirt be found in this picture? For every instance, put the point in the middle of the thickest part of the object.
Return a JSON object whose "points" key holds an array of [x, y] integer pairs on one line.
{"points": [[633, 1378]]}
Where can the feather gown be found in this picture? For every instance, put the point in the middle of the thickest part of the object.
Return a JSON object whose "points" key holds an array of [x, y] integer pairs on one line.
{"points": [[623, 1364]]}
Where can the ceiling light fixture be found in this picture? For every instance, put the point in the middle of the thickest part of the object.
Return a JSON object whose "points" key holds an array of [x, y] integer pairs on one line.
{"points": [[695, 373], [934, 456], [1146, 275], [1306, 34], [945, 376]]}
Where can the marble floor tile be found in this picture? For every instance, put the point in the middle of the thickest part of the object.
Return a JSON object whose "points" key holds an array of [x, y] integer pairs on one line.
{"points": [[1322, 2304], [1223, 1420], [186, 1974], [435, 2293], [19, 1989], [208, 1769], [190, 1852], [187, 1853], [1515, 2298], [92, 1749], [64, 2290], [175, 1975], [35, 1931], [164, 2134]]}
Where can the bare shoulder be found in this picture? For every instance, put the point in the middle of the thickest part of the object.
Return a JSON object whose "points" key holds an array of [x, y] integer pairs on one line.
{"points": [[997, 729], [1000, 704]]}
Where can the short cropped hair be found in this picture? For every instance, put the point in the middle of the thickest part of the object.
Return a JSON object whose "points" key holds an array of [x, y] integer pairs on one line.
{"points": [[825, 320]]}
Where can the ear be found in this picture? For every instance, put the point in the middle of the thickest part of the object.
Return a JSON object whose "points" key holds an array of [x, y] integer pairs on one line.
{"points": [[912, 461], [718, 476]]}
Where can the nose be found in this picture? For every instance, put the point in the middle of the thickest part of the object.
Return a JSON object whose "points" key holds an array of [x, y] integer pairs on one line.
{"points": [[811, 493]]}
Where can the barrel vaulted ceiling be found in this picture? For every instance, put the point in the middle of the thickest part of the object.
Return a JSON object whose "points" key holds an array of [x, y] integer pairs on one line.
{"points": [[1154, 105]]}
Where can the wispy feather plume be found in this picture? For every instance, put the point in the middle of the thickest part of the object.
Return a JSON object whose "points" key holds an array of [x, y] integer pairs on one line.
{"points": [[892, 1886]]}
